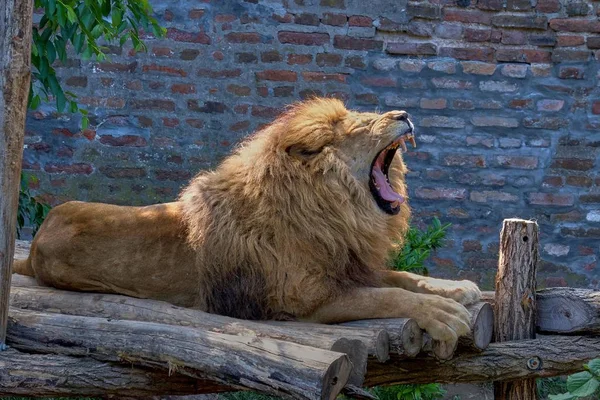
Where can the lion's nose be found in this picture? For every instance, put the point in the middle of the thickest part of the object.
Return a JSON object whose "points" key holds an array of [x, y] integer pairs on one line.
{"points": [[398, 115]]}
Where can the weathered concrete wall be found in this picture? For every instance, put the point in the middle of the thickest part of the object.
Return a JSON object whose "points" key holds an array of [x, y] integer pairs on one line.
{"points": [[504, 92]]}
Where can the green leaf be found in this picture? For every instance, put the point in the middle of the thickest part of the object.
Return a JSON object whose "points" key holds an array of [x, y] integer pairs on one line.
{"points": [[61, 15], [71, 16], [116, 16], [594, 367], [51, 51], [51, 7], [563, 396], [35, 102], [582, 384], [85, 121]]}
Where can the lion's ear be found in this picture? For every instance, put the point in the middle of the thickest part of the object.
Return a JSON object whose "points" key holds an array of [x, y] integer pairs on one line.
{"points": [[302, 152]]}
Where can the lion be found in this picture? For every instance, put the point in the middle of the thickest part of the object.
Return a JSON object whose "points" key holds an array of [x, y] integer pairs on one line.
{"points": [[297, 223]]}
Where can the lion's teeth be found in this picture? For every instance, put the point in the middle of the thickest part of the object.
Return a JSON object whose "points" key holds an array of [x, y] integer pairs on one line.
{"points": [[404, 148], [413, 142]]}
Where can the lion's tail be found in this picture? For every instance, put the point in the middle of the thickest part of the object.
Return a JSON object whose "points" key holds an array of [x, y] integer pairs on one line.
{"points": [[23, 267]]}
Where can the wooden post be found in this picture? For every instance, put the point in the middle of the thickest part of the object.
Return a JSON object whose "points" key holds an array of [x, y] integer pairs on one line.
{"points": [[515, 305], [15, 60]]}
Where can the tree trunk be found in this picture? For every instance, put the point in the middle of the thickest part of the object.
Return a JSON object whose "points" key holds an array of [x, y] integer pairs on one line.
{"points": [[568, 310], [358, 344], [515, 303], [528, 358], [37, 375], [15, 60], [265, 365]]}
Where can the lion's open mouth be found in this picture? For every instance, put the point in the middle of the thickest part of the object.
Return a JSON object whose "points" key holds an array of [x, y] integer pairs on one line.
{"points": [[385, 196]]}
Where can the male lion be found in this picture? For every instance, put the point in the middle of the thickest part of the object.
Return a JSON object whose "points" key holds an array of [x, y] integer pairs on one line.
{"points": [[298, 222]]}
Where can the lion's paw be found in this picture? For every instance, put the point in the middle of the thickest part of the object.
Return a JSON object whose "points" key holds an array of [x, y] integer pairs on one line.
{"points": [[464, 292], [444, 319]]}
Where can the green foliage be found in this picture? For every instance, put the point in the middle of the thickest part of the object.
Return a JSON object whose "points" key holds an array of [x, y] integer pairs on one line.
{"points": [[582, 384], [30, 210], [418, 247], [83, 24], [430, 391]]}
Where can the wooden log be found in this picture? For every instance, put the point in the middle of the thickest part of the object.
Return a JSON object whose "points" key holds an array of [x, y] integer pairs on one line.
{"points": [[405, 336], [568, 310], [515, 305], [528, 358], [358, 344], [23, 281], [482, 327], [15, 72], [266, 365], [43, 375]]}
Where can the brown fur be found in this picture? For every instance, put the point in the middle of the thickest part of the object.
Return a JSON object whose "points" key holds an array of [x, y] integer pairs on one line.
{"points": [[282, 227]]}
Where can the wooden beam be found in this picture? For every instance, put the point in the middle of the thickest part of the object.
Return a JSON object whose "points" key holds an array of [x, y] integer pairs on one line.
{"points": [[568, 310], [520, 359], [244, 362], [15, 61], [515, 303], [44, 375]]}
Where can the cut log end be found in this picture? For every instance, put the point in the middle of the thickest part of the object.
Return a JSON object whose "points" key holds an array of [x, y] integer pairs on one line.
{"points": [[412, 338], [358, 354], [482, 327], [336, 377]]}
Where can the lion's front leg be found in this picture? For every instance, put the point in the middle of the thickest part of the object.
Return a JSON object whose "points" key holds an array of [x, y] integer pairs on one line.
{"points": [[465, 292], [444, 319]]}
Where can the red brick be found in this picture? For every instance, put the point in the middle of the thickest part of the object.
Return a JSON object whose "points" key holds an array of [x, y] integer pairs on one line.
{"points": [[265, 112], [579, 181], [246, 58], [360, 20], [523, 55], [224, 18], [262, 91], [526, 21], [299, 59], [209, 107], [284, 19], [249, 19], [196, 13], [590, 198], [328, 59], [486, 121], [411, 48], [552, 181], [573, 164], [195, 123], [366, 98], [447, 83], [239, 90], [283, 91], [183, 88], [190, 37], [125, 140], [241, 108], [243, 37], [162, 51], [468, 53], [575, 25], [478, 35], [302, 38], [493, 5], [117, 67], [542, 39], [75, 169], [170, 122], [514, 70], [352, 43], [548, 6], [333, 4], [551, 199], [570, 40], [478, 68], [79, 81], [219, 73], [571, 72], [276, 75], [423, 29], [334, 19], [568, 55], [551, 123], [356, 62], [596, 107], [116, 173], [468, 16], [379, 81], [153, 104], [423, 10], [306, 19], [513, 37], [520, 103], [519, 162], [433, 104], [189, 54], [461, 160], [271, 56], [321, 77], [172, 175], [550, 105], [488, 196], [441, 194]]}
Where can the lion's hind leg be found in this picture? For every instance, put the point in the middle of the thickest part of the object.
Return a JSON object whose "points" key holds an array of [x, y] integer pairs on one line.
{"points": [[464, 292]]}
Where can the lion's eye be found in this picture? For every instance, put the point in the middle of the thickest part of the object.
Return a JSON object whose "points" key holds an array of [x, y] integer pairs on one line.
{"points": [[299, 151]]}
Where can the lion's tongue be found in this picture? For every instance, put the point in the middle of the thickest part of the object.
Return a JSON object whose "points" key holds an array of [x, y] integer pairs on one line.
{"points": [[385, 190]]}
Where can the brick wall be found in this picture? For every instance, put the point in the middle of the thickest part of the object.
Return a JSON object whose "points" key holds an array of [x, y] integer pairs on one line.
{"points": [[505, 95]]}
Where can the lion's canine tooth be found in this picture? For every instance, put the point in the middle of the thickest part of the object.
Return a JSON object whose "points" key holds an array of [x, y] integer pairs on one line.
{"points": [[413, 142], [403, 144]]}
